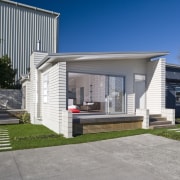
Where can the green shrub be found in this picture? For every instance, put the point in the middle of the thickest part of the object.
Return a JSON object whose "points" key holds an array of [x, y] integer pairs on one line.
{"points": [[25, 118]]}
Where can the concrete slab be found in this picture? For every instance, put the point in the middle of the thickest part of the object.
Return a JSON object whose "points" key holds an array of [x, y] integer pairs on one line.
{"points": [[137, 157], [6, 138], [5, 148], [3, 141], [8, 167], [174, 129], [5, 144], [1, 131]]}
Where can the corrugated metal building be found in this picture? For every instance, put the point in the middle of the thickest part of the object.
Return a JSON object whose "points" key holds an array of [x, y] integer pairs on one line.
{"points": [[173, 87], [21, 27]]}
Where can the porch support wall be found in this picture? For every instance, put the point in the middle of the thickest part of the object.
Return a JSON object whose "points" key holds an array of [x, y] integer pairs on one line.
{"points": [[145, 114], [35, 58], [169, 114], [26, 95], [66, 124], [156, 86], [52, 110]]}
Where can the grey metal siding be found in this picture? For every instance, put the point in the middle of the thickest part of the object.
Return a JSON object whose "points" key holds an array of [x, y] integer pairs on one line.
{"points": [[172, 82], [20, 28], [170, 95], [172, 74]]}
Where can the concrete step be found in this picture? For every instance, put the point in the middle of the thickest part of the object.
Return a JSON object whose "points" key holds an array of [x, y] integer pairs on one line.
{"points": [[5, 118], [3, 111], [154, 115], [5, 145], [157, 119], [4, 141], [5, 148], [163, 122], [9, 121], [162, 126]]}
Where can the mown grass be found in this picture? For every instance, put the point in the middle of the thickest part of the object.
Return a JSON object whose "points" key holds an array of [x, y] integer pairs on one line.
{"points": [[25, 136]]}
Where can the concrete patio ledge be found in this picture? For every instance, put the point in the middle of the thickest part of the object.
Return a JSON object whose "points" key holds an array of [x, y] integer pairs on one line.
{"points": [[91, 119]]}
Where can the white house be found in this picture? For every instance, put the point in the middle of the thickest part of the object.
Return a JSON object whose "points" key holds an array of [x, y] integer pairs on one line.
{"points": [[116, 83]]}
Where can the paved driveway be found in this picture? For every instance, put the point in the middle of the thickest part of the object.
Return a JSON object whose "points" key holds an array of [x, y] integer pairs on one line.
{"points": [[142, 157]]}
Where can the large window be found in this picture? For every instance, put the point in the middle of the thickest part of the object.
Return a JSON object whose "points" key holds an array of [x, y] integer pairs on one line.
{"points": [[177, 95], [97, 93]]}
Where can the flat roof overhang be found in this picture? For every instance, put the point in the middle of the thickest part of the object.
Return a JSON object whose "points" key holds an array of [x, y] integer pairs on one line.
{"points": [[73, 57]]}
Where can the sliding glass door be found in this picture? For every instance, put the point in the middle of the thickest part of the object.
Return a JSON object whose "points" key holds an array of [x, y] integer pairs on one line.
{"points": [[115, 100], [96, 93]]}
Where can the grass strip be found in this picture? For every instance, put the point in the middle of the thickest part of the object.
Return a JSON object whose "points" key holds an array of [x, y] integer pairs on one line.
{"points": [[26, 136]]}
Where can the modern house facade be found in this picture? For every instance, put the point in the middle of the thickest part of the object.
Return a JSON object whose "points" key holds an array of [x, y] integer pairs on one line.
{"points": [[107, 83], [21, 28], [173, 88]]}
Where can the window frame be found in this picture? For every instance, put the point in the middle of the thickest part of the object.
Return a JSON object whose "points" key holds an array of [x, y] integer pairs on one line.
{"points": [[45, 87]]}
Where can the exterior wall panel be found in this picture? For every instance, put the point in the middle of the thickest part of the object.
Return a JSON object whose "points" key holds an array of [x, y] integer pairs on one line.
{"points": [[26, 95], [20, 29], [52, 110], [35, 58], [156, 86]]}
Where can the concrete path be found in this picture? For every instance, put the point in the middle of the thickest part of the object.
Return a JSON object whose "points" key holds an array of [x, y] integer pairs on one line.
{"points": [[142, 157], [4, 139], [175, 130]]}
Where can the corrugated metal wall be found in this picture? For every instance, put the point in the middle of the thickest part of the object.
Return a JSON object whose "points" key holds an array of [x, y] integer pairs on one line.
{"points": [[20, 29]]}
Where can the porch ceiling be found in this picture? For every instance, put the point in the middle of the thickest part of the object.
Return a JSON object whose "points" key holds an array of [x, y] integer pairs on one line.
{"points": [[72, 57]]}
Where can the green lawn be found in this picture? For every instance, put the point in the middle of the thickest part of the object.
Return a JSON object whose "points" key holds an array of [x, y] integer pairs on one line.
{"points": [[25, 136]]}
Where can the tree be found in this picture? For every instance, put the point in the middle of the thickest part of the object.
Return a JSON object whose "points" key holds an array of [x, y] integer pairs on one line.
{"points": [[7, 73]]}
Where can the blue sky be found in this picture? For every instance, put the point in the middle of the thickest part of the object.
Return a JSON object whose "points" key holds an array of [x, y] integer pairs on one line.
{"points": [[117, 25]]}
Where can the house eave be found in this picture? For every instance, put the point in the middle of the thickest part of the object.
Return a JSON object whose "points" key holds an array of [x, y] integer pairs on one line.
{"points": [[73, 57]]}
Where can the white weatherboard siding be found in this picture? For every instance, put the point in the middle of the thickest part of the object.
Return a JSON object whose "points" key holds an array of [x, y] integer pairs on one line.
{"points": [[21, 27], [34, 87], [26, 100], [52, 110], [126, 68], [156, 86]]}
